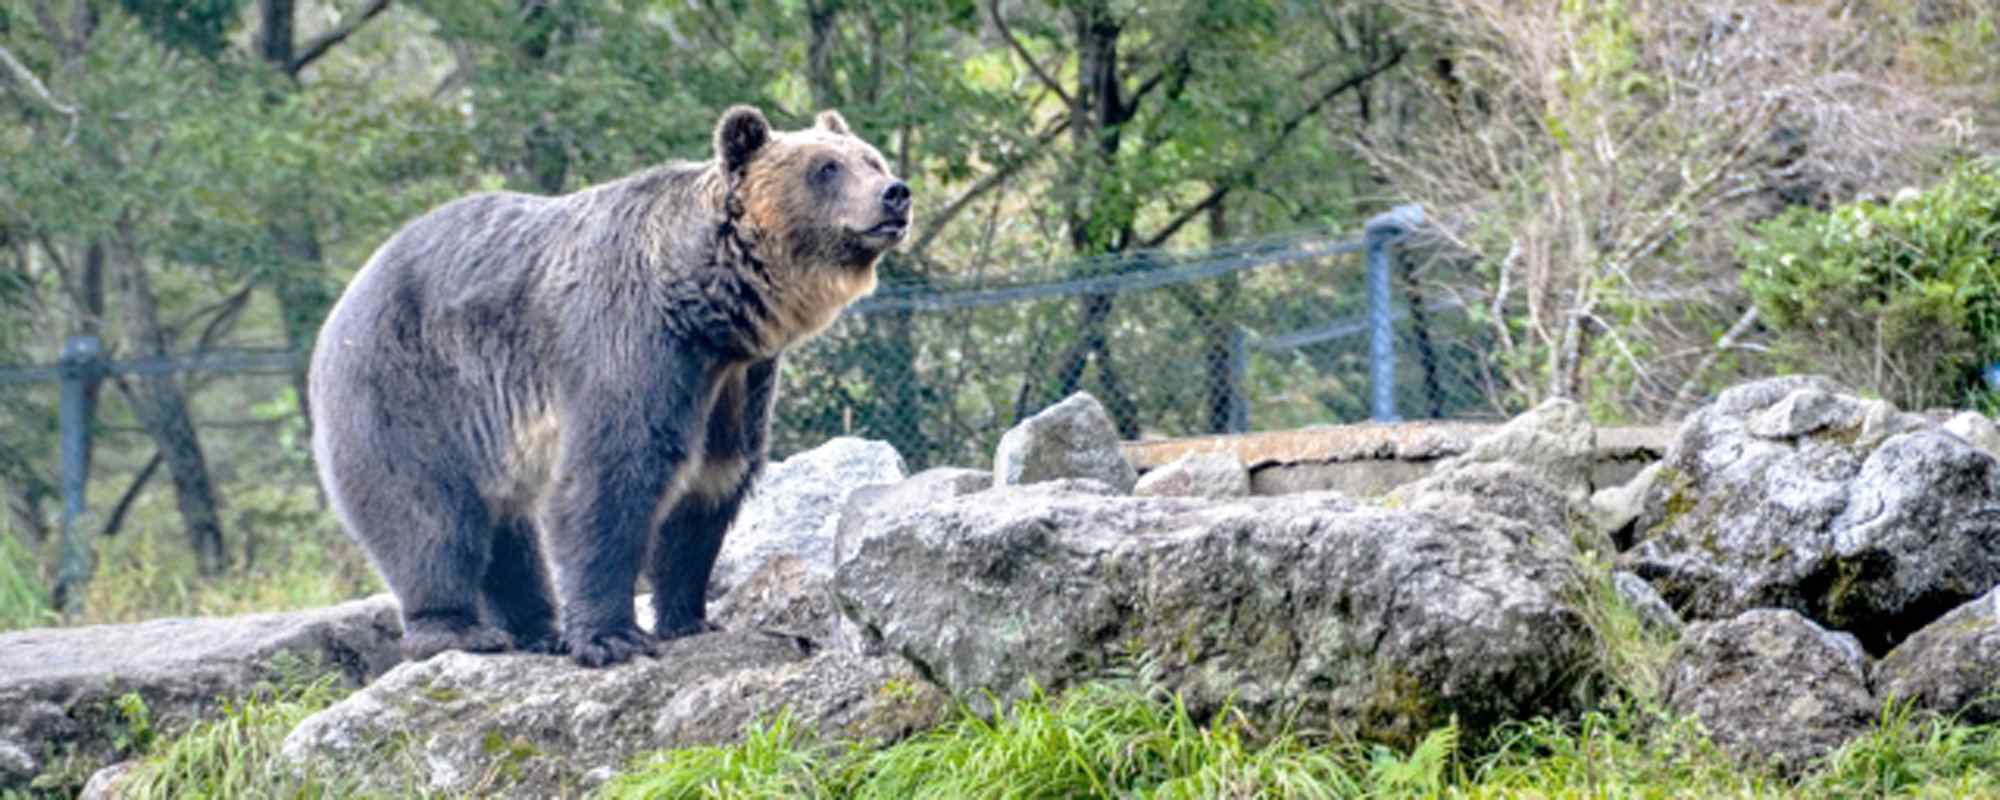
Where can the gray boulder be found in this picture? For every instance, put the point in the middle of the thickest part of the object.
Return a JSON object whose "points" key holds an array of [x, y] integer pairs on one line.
{"points": [[521, 725], [1071, 439], [1535, 469], [796, 504], [1553, 441], [1976, 429], [59, 686], [1771, 686], [1786, 493], [1383, 623], [1211, 475], [1952, 666]]}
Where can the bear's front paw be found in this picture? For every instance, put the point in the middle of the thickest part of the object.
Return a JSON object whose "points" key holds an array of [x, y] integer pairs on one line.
{"points": [[607, 647]]}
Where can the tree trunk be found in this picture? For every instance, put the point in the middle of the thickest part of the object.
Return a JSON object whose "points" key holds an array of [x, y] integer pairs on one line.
{"points": [[1097, 225], [162, 408]]}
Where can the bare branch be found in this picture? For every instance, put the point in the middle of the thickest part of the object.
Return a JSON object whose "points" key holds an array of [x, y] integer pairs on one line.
{"points": [[999, 23], [1685, 396], [27, 78], [319, 46]]}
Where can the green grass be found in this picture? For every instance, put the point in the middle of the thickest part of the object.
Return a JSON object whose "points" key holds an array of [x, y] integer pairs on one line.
{"points": [[1107, 739], [1117, 740], [24, 597], [236, 755]]}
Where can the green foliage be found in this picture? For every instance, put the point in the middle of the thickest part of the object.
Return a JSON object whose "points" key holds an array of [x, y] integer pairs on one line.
{"points": [[1908, 754], [198, 26], [139, 734], [1903, 296]]}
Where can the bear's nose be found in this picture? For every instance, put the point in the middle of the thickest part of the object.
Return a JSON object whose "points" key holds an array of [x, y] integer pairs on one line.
{"points": [[896, 198]]}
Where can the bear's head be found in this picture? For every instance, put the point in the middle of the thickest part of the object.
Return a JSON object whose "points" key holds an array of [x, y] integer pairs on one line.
{"points": [[819, 206], [816, 198]]}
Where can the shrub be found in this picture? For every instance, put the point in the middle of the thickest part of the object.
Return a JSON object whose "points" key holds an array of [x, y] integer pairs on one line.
{"points": [[1902, 297]]}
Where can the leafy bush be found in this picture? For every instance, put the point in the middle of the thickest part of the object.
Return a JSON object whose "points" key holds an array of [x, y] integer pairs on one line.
{"points": [[1902, 297]]}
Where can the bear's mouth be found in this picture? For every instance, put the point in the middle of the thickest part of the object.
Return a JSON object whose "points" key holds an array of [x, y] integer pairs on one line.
{"points": [[890, 230]]}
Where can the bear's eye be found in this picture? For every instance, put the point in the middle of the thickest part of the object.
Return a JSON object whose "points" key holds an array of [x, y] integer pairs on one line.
{"points": [[827, 171]]}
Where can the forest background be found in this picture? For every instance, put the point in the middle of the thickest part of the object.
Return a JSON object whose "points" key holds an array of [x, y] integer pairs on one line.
{"points": [[1628, 202]]}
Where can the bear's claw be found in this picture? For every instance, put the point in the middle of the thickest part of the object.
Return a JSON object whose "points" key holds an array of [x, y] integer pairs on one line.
{"points": [[605, 648]]}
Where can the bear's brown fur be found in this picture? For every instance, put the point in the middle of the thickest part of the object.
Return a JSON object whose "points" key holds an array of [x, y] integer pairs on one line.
{"points": [[516, 385]]}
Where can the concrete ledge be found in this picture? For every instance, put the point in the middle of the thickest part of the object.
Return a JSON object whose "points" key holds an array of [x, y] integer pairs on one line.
{"points": [[1372, 458]]}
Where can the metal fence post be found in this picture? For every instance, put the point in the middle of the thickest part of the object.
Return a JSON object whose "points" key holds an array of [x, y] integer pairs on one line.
{"points": [[80, 362], [1239, 373], [1382, 231]]}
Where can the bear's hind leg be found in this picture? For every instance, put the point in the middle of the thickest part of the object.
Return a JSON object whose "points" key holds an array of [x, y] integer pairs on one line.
{"points": [[515, 592], [429, 534]]}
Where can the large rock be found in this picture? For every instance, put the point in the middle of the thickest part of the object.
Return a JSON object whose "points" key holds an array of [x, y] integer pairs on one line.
{"points": [[796, 504], [1952, 666], [59, 686], [1212, 475], [1786, 493], [1771, 686], [1071, 439], [1384, 623], [520, 725]]}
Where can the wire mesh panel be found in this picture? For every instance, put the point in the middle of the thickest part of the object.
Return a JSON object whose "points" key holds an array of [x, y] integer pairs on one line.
{"points": [[1259, 335]]}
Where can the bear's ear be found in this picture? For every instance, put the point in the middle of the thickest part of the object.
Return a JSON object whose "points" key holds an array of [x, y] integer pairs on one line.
{"points": [[741, 133], [831, 122]]}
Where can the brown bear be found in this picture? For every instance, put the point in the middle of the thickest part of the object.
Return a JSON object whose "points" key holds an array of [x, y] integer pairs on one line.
{"points": [[516, 385]]}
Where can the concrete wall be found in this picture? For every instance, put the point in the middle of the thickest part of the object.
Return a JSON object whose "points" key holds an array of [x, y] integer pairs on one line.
{"points": [[1370, 459]]}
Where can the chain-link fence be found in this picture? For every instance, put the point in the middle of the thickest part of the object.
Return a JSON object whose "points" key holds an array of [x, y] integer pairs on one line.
{"points": [[1269, 334]]}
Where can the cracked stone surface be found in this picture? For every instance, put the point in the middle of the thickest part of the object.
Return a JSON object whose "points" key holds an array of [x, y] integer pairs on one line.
{"points": [[1772, 686], [1381, 622]]}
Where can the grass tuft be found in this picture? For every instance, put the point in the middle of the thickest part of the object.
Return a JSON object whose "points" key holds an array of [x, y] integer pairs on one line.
{"points": [[237, 753]]}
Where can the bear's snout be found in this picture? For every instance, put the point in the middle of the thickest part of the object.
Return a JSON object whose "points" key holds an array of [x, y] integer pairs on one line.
{"points": [[896, 199]]}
